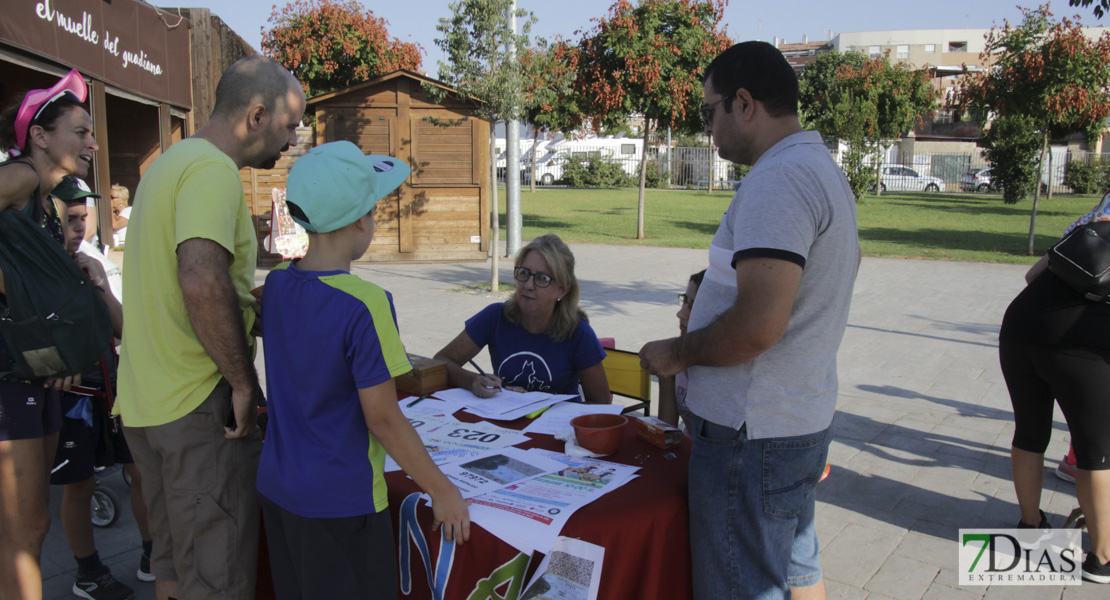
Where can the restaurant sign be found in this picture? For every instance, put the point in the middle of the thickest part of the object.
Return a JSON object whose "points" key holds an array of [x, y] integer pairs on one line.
{"points": [[126, 43]]}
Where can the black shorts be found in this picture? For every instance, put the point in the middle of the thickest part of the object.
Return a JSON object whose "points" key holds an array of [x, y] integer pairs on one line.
{"points": [[1040, 376], [351, 557], [28, 411], [87, 446]]}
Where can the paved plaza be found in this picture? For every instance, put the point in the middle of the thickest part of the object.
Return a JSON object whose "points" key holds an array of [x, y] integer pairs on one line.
{"points": [[922, 433]]}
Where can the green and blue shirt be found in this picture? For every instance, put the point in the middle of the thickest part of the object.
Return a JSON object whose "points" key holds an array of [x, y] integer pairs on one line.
{"points": [[327, 335]]}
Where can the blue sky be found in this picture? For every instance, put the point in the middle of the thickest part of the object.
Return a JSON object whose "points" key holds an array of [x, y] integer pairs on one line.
{"points": [[415, 20]]}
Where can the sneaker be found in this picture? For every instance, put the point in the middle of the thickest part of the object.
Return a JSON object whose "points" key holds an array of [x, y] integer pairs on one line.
{"points": [[1095, 572], [1065, 471], [101, 585], [1044, 524], [144, 573]]}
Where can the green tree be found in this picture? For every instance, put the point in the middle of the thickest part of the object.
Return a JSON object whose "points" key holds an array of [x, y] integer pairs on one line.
{"points": [[843, 118], [329, 45], [649, 59], [849, 114], [1102, 7], [481, 47], [816, 81], [1050, 74], [1012, 145], [868, 106]]}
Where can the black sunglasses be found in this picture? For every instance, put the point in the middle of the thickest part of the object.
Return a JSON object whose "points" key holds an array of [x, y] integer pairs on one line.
{"points": [[541, 280], [707, 110]]}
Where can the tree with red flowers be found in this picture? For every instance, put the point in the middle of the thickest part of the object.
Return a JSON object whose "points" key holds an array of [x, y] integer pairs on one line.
{"points": [[649, 59], [550, 103], [1051, 76], [329, 45]]}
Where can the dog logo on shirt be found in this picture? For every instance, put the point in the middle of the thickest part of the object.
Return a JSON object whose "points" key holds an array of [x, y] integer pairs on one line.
{"points": [[531, 371]]}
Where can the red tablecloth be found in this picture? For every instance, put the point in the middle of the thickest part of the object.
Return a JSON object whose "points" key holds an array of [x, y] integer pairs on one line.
{"points": [[643, 526]]}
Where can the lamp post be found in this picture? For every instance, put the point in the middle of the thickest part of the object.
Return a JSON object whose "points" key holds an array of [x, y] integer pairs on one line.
{"points": [[443, 23], [514, 221]]}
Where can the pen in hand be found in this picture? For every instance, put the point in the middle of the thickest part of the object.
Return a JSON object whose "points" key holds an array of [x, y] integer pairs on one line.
{"points": [[483, 374]]}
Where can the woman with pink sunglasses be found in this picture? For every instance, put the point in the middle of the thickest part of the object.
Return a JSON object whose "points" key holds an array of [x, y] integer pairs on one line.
{"points": [[49, 135]]}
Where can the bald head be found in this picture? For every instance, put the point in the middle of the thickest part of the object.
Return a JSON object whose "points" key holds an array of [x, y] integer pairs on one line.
{"points": [[253, 80]]}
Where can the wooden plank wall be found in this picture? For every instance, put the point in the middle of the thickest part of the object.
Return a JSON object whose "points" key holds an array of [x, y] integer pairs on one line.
{"points": [[205, 76], [258, 185], [442, 155], [214, 48], [441, 213]]}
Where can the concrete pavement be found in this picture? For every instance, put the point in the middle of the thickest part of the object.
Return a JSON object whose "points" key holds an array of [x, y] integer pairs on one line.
{"points": [[921, 446]]}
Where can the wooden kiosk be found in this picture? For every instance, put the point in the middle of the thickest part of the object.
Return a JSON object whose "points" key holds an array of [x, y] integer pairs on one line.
{"points": [[442, 212]]}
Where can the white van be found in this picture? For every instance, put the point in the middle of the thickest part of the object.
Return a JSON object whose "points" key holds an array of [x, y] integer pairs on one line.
{"points": [[624, 151]]}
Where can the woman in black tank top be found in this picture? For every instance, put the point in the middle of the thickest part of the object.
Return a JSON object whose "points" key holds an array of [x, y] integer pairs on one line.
{"points": [[48, 134]]}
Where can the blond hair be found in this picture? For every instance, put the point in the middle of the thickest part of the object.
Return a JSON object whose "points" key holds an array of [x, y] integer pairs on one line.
{"points": [[126, 195], [561, 262]]}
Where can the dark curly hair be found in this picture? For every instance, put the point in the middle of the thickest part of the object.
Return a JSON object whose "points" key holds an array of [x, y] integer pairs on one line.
{"points": [[48, 119]]}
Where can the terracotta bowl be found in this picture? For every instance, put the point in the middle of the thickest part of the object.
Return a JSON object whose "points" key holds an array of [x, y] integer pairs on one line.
{"points": [[601, 433]]}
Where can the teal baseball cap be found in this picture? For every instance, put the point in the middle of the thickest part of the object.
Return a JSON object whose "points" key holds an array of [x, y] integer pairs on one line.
{"points": [[335, 184]]}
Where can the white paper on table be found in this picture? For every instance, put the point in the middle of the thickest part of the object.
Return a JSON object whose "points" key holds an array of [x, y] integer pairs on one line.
{"points": [[497, 469], [505, 405], [448, 440], [432, 406], [480, 436], [570, 571], [423, 424], [531, 514], [558, 416]]}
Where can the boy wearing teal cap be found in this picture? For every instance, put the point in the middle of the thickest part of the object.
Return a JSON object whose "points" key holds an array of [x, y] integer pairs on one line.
{"points": [[332, 350]]}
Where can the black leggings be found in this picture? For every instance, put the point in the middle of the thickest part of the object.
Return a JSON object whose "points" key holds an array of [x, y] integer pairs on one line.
{"points": [[1077, 378]]}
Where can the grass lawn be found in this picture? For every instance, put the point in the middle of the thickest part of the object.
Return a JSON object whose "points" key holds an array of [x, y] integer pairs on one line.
{"points": [[962, 227]]}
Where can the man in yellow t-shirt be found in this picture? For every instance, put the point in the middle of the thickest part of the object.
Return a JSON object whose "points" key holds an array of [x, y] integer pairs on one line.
{"points": [[188, 390]]}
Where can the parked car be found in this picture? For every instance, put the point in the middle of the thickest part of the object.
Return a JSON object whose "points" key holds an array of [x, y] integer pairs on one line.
{"points": [[897, 178], [980, 180], [977, 180], [549, 168]]}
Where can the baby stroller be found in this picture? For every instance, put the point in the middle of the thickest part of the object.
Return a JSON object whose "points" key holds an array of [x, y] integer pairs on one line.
{"points": [[105, 504]]}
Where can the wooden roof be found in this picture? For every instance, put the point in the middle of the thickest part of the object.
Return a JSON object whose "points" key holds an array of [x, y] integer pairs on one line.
{"points": [[372, 82]]}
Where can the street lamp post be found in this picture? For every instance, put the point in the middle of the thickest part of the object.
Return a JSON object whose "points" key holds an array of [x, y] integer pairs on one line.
{"points": [[513, 217], [444, 22]]}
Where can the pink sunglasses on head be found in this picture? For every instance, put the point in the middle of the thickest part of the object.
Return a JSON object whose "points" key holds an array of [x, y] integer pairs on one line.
{"points": [[37, 100]]}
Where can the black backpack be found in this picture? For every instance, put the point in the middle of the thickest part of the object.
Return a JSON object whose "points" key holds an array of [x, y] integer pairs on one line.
{"points": [[52, 321], [1082, 260]]}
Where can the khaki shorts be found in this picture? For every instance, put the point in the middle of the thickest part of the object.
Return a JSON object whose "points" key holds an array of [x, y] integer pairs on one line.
{"points": [[199, 490]]}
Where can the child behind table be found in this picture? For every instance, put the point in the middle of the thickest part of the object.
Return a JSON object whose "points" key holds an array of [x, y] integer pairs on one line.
{"points": [[672, 390], [332, 350]]}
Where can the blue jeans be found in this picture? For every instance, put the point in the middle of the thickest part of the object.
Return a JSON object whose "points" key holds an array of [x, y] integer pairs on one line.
{"points": [[752, 508]]}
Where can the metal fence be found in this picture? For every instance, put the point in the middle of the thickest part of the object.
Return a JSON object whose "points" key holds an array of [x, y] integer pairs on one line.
{"points": [[955, 169], [680, 167], [699, 167]]}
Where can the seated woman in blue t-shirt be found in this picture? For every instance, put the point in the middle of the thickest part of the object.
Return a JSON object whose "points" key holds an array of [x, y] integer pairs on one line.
{"points": [[539, 340]]}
